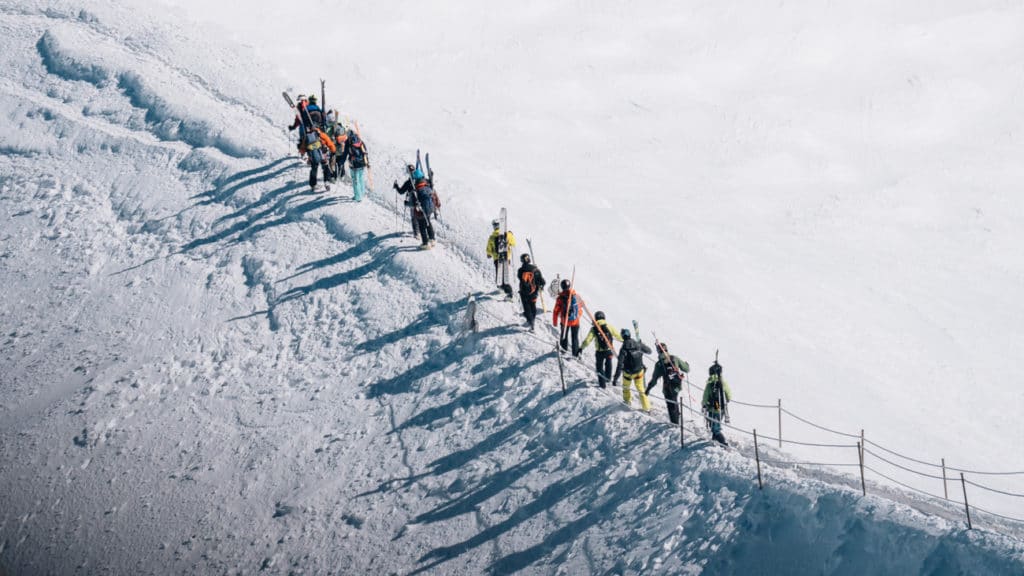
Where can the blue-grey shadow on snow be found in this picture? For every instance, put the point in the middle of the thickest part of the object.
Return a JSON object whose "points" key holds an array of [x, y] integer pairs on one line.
{"points": [[590, 485], [437, 361], [369, 242], [434, 316], [490, 389], [377, 262], [224, 189], [255, 223]]}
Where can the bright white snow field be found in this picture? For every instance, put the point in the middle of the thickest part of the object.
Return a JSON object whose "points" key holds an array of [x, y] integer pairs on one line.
{"points": [[206, 368]]}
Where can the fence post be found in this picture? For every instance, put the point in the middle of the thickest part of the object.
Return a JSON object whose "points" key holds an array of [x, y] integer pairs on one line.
{"points": [[860, 457], [757, 457], [967, 507], [862, 445], [945, 490], [682, 423], [780, 422]]}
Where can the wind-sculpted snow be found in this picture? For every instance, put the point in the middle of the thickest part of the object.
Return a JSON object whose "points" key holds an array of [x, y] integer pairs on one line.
{"points": [[174, 108], [208, 368]]}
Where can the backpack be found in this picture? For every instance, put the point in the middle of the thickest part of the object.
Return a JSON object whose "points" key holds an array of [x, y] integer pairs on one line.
{"points": [[634, 360], [528, 281], [716, 396], [356, 154]]}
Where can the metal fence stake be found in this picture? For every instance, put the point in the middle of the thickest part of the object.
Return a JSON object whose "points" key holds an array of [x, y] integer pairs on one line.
{"points": [[967, 507], [757, 457], [860, 457]]}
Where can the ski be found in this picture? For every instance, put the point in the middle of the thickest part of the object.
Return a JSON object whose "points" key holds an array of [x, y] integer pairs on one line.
{"points": [[288, 99], [529, 245], [503, 236]]}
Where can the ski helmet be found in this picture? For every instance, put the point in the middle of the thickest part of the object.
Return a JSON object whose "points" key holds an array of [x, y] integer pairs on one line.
{"points": [[300, 97], [626, 334], [599, 315], [312, 99], [715, 369], [525, 258], [410, 168], [566, 284], [496, 224]]}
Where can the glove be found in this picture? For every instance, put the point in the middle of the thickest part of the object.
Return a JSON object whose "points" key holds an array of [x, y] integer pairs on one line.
{"points": [[291, 128], [395, 185]]}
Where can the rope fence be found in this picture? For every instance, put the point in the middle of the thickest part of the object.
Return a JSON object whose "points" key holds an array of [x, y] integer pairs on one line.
{"points": [[861, 446]]}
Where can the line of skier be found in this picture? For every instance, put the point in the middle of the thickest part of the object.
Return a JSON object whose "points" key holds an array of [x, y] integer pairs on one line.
{"points": [[327, 145], [629, 366]]}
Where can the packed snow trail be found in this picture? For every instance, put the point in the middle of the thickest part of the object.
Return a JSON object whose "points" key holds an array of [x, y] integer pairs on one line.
{"points": [[209, 369]]}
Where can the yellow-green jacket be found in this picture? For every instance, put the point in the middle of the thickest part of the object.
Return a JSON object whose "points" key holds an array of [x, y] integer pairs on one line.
{"points": [[492, 245], [609, 331]]}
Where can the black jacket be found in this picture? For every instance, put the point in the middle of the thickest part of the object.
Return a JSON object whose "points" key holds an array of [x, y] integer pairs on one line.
{"points": [[631, 357], [527, 287]]}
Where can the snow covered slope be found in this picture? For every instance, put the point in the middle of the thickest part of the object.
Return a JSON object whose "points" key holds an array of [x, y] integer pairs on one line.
{"points": [[208, 369]]}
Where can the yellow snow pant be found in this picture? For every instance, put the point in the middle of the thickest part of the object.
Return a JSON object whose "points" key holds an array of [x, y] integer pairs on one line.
{"points": [[638, 381]]}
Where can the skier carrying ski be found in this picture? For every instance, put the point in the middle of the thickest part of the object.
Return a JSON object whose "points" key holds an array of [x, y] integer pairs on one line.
{"points": [[358, 160], [499, 249], [300, 112], [420, 197], [631, 367], [567, 312], [716, 402], [531, 282], [670, 369], [318, 149], [604, 334]]}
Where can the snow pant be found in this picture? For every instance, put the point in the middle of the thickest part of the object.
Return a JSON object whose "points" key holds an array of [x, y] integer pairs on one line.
{"points": [[603, 364], [529, 307], [574, 333], [672, 402], [426, 228], [714, 419], [358, 184], [638, 381], [415, 220], [317, 160]]}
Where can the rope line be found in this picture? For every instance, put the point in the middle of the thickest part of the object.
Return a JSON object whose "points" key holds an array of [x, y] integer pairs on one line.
{"points": [[773, 406], [1014, 494], [912, 471], [809, 423], [806, 463], [696, 430], [908, 486]]}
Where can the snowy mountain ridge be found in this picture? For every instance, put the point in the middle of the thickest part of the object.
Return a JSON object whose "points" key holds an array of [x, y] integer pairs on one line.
{"points": [[209, 369]]}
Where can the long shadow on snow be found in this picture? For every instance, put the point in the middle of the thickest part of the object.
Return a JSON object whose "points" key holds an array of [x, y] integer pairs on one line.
{"points": [[250, 226], [435, 316], [487, 391], [368, 243], [588, 484], [378, 261], [224, 189], [437, 361], [458, 459]]}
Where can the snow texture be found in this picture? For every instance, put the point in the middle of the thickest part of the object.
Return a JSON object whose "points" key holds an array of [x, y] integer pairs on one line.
{"points": [[207, 368]]}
